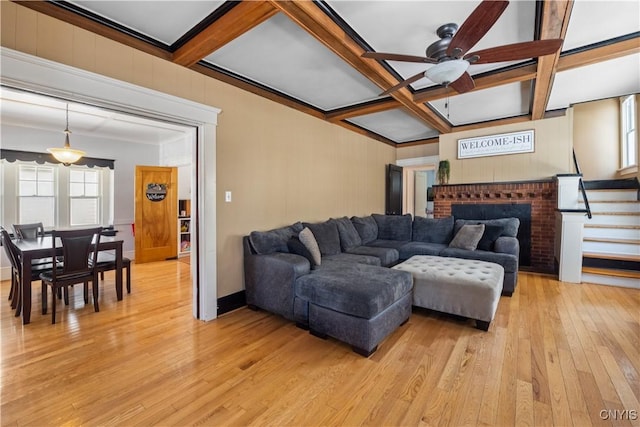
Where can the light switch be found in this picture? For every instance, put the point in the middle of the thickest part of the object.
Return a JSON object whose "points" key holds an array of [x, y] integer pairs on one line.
{"points": [[227, 196]]}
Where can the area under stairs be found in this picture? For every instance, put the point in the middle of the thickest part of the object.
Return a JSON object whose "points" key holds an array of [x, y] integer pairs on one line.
{"points": [[611, 239]]}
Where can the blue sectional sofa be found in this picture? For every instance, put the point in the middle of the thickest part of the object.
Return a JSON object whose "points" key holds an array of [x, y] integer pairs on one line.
{"points": [[347, 290]]}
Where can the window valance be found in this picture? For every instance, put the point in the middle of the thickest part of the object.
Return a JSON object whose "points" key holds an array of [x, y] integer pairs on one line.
{"points": [[41, 158]]}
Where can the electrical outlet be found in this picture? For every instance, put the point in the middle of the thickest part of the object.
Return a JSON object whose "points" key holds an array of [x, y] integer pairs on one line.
{"points": [[227, 196]]}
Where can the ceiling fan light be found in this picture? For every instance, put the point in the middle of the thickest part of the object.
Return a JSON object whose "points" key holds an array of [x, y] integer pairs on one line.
{"points": [[447, 72]]}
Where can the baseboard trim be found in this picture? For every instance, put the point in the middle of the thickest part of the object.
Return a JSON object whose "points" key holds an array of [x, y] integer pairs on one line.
{"points": [[231, 302]]}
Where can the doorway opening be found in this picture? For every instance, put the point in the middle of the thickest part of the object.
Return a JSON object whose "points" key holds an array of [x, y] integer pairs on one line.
{"points": [[25, 72], [418, 193]]}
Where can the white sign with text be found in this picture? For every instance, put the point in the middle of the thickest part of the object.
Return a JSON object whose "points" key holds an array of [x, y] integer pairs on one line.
{"points": [[496, 145]]}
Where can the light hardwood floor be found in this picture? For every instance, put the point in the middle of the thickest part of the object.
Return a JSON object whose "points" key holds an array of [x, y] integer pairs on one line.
{"points": [[556, 354]]}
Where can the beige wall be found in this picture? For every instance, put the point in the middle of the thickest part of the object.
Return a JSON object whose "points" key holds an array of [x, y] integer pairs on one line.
{"points": [[596, 138], [281, 165], [416, 151], [552, 154]]}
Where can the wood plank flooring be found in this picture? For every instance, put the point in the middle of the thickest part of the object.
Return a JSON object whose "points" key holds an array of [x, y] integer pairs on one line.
{"points": [[556, 354]]}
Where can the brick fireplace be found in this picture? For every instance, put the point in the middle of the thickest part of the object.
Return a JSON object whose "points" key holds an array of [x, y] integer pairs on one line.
{"points": [[534, 202]]}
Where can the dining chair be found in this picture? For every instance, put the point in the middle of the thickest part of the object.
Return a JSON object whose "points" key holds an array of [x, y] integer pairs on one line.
{"points": [[107, 262], [15, 293], [79, 265], [28, 231]]}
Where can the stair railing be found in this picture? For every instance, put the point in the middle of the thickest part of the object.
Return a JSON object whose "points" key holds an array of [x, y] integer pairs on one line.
{"points": [[581, 183]]}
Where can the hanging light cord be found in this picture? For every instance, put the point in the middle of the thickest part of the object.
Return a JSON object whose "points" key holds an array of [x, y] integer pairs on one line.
{"points": [[446, 107]]}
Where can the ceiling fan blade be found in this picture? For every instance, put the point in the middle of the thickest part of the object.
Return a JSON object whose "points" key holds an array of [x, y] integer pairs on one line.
{"points": [[403, 83], [475, 27], [398, 57], [464, 84], [516, 51]]}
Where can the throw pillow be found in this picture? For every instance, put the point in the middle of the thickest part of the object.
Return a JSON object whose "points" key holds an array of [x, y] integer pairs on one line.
{"points": [[491, 233], [309, 241], [297, 247], [326, 235], [468, 237]]}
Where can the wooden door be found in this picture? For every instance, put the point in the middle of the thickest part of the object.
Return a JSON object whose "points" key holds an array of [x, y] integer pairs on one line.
{"points": [[394, 190], [156, 208]]}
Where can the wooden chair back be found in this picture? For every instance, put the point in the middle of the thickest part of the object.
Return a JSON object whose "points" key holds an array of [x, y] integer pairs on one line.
{"points": [[28, 231], [79, 253]]}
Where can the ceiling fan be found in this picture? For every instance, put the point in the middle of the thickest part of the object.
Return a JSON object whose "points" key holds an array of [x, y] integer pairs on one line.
{"points": [[449, 54]]}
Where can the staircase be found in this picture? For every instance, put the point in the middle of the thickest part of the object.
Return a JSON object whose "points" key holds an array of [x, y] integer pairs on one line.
{"points": [[611, 239]]}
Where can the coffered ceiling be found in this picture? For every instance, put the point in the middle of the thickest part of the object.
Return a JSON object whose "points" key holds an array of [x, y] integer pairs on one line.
{"points": [[307, 55]]}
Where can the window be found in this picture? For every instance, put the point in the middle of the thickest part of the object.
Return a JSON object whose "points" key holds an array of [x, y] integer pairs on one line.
{"points": [[629, 131], [56, 195], [36, 195], [84, 197]]}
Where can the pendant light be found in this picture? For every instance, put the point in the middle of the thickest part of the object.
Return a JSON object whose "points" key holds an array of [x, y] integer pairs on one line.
{"points": [[66, 155]]}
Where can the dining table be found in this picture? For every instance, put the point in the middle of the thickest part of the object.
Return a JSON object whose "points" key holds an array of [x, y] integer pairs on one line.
{"points": [[41, 247]]}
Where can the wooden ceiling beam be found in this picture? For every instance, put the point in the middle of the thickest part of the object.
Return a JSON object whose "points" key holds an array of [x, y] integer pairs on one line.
{"points": [[485, 82], [555, 21], [313, 20], [362, 109], [599, 54], [419, 142], [492, 123], [240, 19]]}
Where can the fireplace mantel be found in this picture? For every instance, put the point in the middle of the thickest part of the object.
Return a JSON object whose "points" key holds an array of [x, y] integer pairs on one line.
{"points": [[540, 194]]}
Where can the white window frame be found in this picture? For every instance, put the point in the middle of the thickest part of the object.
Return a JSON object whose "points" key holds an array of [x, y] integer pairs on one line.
{"points": [[11, 196], [84, 196], [628, 132], [22, 198]]}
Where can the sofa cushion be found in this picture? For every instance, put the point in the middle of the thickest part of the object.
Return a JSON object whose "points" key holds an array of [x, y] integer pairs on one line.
{"points": [[308, 240], [510, 225], [268, 242], [393, 244], [432, 230], [467, 237], [355, 289], [350, 258], [393, 227], [420, 248], [349, 237], [326, 234], [387, 256], [490, 235], [367, 228]]}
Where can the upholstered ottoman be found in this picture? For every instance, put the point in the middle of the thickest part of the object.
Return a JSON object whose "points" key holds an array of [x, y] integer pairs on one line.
{"points": [[463, 287], [355, 303]]}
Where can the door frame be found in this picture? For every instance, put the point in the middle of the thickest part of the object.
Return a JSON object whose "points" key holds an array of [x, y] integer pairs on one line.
{"points": [[33, 74], [409, 166]]}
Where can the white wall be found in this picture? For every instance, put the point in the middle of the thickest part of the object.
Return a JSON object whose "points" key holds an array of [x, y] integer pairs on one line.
{"points": [[179, 153], [127, 154]]}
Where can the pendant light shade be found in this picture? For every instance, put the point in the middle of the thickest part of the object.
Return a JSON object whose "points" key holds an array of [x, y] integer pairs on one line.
{"points": [[66, 155]]}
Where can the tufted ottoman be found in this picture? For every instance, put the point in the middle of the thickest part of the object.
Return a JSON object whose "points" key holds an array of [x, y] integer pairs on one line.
{"points": [[463, 287], [355, 303]]}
